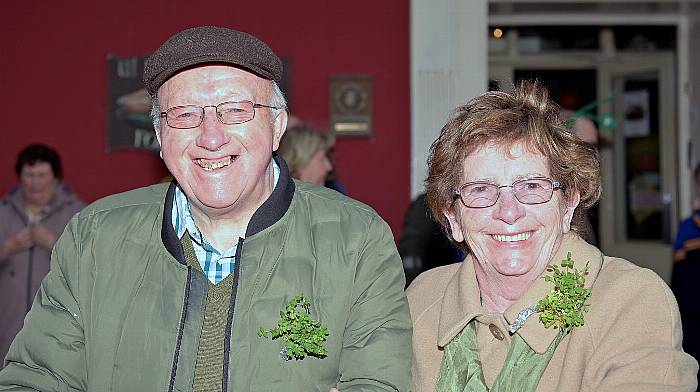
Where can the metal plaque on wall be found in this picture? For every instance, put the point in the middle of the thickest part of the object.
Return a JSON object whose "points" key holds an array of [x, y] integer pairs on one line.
{"points": [[129, 111], [351, 104]]}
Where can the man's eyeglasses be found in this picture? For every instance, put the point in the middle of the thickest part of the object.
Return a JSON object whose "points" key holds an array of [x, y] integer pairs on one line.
{"points": [[481, 194], [229, 113]]}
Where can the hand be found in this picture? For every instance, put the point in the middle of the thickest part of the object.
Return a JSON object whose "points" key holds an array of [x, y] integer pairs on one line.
{"points": [[334, 390], [16, 243], [42, 236]]}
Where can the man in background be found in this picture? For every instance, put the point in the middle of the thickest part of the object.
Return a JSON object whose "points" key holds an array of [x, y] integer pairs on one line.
{"points": [[586, 130], [686, 273]]}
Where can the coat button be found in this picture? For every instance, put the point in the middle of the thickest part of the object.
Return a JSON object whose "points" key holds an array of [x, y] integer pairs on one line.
{"points": [[496, 332]]}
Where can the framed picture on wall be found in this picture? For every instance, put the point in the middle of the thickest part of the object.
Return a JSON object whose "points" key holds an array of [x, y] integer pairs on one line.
{"points": [[351, 104], [129, 124]]}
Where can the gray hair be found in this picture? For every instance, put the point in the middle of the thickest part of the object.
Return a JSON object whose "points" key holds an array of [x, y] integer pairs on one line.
{"points": [[276, 99]]}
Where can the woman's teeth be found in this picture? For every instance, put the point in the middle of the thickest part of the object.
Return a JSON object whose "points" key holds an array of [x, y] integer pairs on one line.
{"points": [[511, 238], [213, 165]]}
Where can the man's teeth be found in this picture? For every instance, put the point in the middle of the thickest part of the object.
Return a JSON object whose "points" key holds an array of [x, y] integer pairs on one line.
{"points": [[209, 165], [511, 238]]}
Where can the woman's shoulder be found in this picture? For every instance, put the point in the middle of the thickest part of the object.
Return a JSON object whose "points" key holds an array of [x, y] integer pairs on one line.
{"points": [[429, 287], [432, 277], [625, 288], [617, 271]]}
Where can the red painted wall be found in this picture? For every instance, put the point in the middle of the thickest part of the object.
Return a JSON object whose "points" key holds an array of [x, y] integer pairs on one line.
{"points": [[54, 83]]}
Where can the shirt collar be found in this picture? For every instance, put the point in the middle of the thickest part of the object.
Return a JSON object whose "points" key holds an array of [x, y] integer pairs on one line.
{"points": [[462, 300], [182, 214]]}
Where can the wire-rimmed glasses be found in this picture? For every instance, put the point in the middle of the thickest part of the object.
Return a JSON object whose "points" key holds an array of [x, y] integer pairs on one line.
{"points": [[482, 194], [229, 113]]}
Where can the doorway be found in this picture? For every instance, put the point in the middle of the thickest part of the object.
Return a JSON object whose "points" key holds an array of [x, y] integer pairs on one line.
{"points": [[629, 94]]}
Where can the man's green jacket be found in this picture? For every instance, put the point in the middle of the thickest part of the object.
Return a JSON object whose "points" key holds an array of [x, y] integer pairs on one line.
{"points": [[121, 310]]}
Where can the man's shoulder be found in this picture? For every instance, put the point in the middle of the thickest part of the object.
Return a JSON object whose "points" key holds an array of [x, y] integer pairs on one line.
{"points": [[151, 196], [321, 199]]}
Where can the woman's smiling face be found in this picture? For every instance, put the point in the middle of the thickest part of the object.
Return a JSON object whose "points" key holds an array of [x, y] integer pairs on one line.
{"points": [[510, 238]]}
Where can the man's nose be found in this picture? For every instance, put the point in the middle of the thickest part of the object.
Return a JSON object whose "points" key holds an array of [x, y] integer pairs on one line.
{"points": [[213, 133], [508, 209]]}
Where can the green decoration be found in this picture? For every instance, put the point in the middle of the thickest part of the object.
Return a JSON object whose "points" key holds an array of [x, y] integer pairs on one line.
{"points": [[302, 335], [564, 307], [605, 120]]}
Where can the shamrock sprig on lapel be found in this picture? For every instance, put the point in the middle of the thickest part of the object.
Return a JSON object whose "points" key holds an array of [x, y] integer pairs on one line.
{"points": [[302, 335], [565, 305]]}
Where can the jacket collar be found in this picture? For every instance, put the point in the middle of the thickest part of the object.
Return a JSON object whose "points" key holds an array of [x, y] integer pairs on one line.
{"points": [[265, 216], [276, 204], [462, 300]]}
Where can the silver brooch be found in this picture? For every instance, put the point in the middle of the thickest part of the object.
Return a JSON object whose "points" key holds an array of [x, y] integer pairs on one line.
{"points": [[521, 317]]}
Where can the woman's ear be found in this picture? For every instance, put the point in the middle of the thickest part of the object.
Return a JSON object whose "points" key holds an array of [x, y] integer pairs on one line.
{"points": [[568, 215], [455, 220]]}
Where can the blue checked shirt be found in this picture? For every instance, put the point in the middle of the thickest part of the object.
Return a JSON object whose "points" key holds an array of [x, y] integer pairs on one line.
{"points": [[216, 265]]}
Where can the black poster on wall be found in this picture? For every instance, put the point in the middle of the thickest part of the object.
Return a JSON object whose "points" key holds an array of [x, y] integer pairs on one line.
{"points": [[129, 106]]}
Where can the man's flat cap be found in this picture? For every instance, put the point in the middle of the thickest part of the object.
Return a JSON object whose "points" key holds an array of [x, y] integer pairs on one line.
{"points": [[209, 44]]}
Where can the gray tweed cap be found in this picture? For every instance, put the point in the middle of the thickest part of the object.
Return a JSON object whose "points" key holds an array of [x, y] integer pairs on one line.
{"points": [[209, 44]]}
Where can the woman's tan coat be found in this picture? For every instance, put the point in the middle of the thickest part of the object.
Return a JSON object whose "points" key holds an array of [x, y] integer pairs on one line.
{"points": [[631, 340]]}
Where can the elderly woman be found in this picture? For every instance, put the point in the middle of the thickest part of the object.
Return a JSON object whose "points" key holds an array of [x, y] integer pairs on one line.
{"points": [[533, 307], [33, 215], [306, 152]]}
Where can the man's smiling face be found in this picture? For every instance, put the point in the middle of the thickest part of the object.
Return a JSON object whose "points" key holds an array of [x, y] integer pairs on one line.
{"points": [[220, 166]]}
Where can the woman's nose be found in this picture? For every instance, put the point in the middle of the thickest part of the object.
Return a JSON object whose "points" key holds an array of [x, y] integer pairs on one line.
{"points": [[508, 208]]}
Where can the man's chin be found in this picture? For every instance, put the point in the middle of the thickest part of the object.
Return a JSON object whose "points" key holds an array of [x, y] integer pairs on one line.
{"points": [[209, 204]]}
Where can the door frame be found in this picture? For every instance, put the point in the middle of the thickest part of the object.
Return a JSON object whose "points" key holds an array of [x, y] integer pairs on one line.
{"points": [[687, 25], [605, 62], [656, 255]]}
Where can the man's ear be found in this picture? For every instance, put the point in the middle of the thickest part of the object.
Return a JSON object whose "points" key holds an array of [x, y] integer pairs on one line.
{"points": [[279, 125], [571, 205], [455, 224], [157, 127]]}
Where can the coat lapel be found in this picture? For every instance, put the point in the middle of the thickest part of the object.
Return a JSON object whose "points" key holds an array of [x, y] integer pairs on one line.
{"points": [[462, 303], [533, 331]]}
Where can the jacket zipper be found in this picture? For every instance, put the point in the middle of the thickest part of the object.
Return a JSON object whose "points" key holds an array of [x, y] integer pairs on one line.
{"points": [[180, 331], [231, 310]]}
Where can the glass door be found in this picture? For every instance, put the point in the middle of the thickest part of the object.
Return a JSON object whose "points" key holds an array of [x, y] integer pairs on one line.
{"points": [[639, 202]]}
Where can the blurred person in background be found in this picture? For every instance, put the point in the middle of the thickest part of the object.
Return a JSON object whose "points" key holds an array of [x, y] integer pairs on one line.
{"points": [[587, 131], [686, 273], [424, 244], [306, 152], [33, 215]]}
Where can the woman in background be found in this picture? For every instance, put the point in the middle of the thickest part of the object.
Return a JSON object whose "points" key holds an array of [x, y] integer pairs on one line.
{"points": [[306, 152], [33, 215]]}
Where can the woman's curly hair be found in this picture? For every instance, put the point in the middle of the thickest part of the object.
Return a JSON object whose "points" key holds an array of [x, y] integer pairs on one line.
{"points": [[527, 116]]}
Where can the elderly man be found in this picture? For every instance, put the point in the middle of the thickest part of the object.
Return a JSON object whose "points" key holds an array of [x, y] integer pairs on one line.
{"points": [[232, 278]]}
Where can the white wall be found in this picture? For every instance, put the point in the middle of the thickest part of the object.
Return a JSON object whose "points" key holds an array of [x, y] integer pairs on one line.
{"points": [[449, 65]]}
